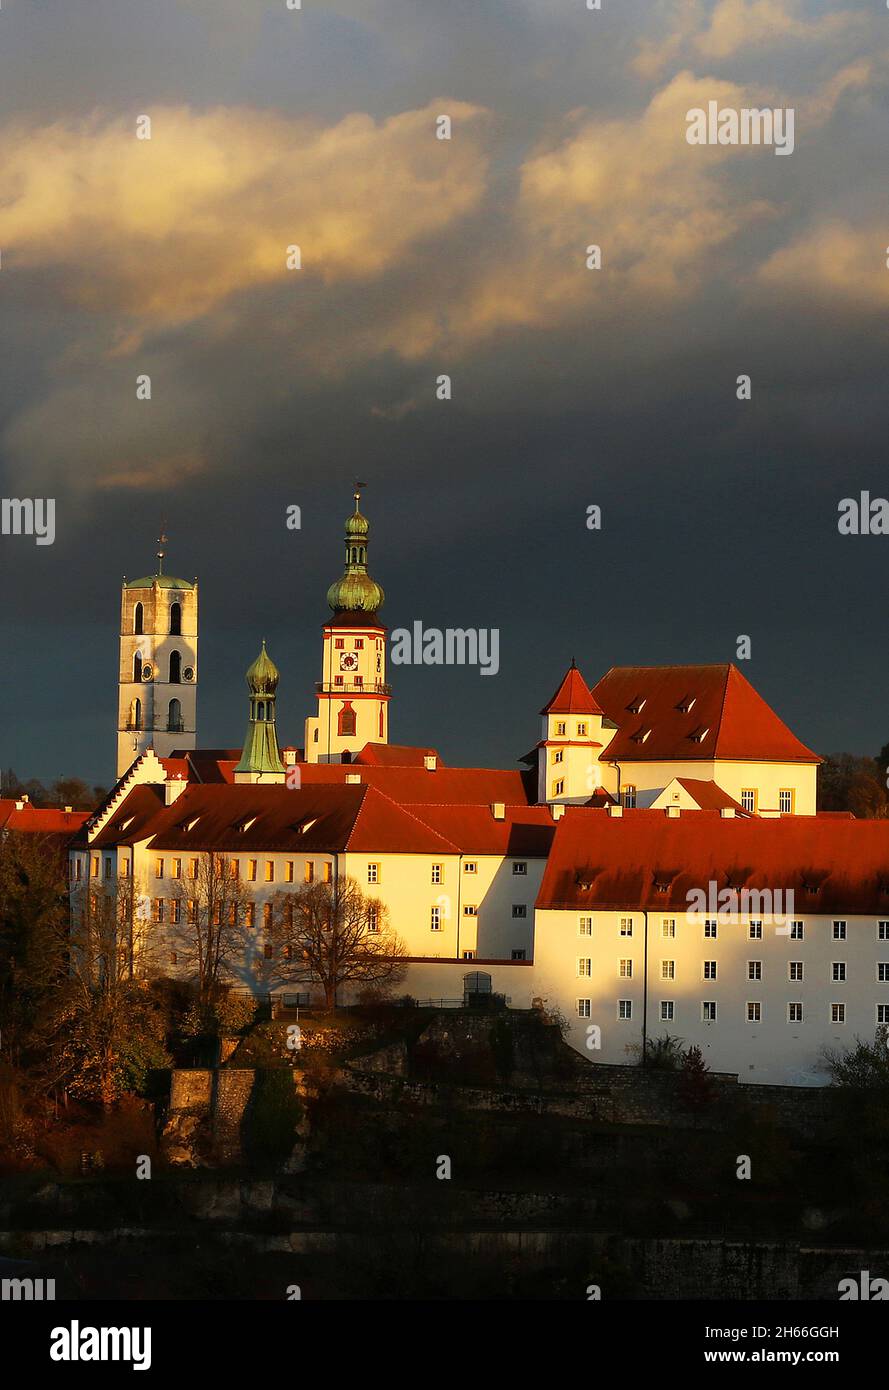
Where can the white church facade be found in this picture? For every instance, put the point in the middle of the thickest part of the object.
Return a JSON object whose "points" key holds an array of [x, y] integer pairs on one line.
{"points": [[593, 881]]}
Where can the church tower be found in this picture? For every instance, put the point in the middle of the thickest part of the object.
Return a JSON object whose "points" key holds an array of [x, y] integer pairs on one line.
{"points": [[260, 760], [158, 675], [353, 697]]}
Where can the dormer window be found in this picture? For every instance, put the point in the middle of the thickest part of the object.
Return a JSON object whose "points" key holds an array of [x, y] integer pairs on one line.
{"points": [[637, 705], [699, 734], [686, 704], [641, 735], [244, 824]]}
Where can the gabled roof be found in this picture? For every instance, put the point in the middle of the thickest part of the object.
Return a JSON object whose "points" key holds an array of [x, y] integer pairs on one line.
{"points": [[134, 819], [209, 764], [602, 862], [45, 820], [685, 713], [709, 796], [573, 696], [525, 831], [448, 785], [394, 755]]}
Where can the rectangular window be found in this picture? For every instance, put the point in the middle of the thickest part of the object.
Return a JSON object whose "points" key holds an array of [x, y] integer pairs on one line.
{"points": [[669, 927], [158, 910], [234, 868], [107, 866], [558, 755], [797, 931], [794, 1013], [231, 915], [470, 867], [668, 1010], [838, 971], [754, 1013], [309, 871], [668, 970], [785, 801], [373, 920], [435, 919], [795, 970], [883, 931], [95, 866], [327, 871], [436, 873], [708, 1011], [158, 868], [269, 871], [625, 970], [585, 927], [709, 969], [883, 972], [883, 1013], [470, 910], [518, 955], [581, 731], [558, 788], [175, 911], [628, 797], [755, 932], [584, 1008], [266, 914], [373, 873], [469, 955], [520, 867], [251, 870], [585, 966], [754, 970], [838, 1013], [339, 643], [191, 909], [748, 799], [560, 728], [519, 910], [192, 868], [626, 926], [625, 1008], [711, 928], [359, 644], [839, 931], [288, 871], [249, 914]]}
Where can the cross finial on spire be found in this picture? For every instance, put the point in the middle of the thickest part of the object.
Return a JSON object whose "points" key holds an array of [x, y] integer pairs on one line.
{"points": [[161, 543], [357, 493]]}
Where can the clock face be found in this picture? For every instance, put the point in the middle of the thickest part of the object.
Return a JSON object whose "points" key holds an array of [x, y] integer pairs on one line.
{"points": [[348, 661]]}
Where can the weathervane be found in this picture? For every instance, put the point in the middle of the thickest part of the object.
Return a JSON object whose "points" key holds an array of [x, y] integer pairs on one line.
{"points": [[161, 542]]}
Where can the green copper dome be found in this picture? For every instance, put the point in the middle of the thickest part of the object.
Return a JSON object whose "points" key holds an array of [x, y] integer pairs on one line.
{"points": [[263, 675], [355, 591], [163, 581]]}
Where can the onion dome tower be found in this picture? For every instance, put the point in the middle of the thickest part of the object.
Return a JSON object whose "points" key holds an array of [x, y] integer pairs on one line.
{"points": [[260, 760]]}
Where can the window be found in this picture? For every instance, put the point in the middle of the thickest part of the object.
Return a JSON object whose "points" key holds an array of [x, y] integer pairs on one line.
{"points": [[585, 966], [435, 919], [883, 931], [710, 928], [346, 721], [626, 926], [436, 873], [558, 755], [95, 866], [754, 970], [794, 1013], [234, 868], [175, 911], [838, 971], [625, 969], [558, 788], [668, 1010], [266, 914], [668, 970], [175, 668], [839, 931], [470, 910], [176, 868], [797, 931], [192, 868], [625, 1008], [309, 871], [754, 1013], [838, 1013], [669, 927], [520, 867], [883, 1013], [469, 955], [584, 1008], [158, 868], [373, 873], [191, 910], [755, 932], [288, 871], [883, 972], [359, 644], [708, 1011], [269, 871], [581, 731], [795, 970], [249, 914], [107, 866], [518, 955], [470, 867], [519, 910], [157, 913], [138, 619], [216, 915], [339, 643], [231, 915], [585, 927], [785, 801], [327, 869], [628, 797], [175, 619], [748, 799], [709, 969], [137, 666], [561, 728]]}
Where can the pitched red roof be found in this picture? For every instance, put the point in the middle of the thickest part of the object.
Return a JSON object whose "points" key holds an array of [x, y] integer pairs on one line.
{"points": [[682, 713], [208, 764], [394, 755], [449, 785], [45, 820], [133, 820], [573, 696], [524, 830], [601, 861], [710, 796]]}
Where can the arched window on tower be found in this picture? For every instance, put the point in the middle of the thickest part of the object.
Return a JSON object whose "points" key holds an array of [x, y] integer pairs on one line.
{"points": [[135, 714], [137, 666], [175, 619], [346, 721], [175, 668], [174, 717], [138, 619]]}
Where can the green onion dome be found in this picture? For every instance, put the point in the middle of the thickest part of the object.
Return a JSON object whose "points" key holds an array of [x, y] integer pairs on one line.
{"points": [[263, 675], [355, 591]]}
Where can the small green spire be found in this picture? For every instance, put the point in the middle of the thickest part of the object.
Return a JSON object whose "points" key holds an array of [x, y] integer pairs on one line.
{"points": [[355, 591], [260, 753]]}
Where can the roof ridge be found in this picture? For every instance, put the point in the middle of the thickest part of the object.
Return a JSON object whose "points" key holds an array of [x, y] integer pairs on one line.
{"points": [[426, 826]]}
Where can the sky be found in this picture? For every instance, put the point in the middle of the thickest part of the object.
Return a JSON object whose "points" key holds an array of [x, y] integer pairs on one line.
{"points": [[271, 387]]}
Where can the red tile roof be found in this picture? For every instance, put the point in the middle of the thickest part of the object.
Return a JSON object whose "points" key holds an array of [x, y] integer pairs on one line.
{"points": [[693, 712], [601, 861], [524, 830], [573, 696], [45, 820], [134, 818], [394, 755], [710, 796], [209, 764], [450, 785]]}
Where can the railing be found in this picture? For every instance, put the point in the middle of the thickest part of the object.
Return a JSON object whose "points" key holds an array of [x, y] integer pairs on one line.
{"points": [[352, 688]]}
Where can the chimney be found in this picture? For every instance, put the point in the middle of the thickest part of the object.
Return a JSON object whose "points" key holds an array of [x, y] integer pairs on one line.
{"points": [[558, 810], [430, 762], [498, 810], [673, 812], [174, 789], [615, 809], [727, 812], [20, 805], [288, 755], [68, 810], [353, 777]]}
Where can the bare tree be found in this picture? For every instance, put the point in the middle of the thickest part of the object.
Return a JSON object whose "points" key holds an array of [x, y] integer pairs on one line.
{"points": [[332, 934], [213, 920]]}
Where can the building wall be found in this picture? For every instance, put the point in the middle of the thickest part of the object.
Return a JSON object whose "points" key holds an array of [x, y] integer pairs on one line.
{"points": [[766, 779]]}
